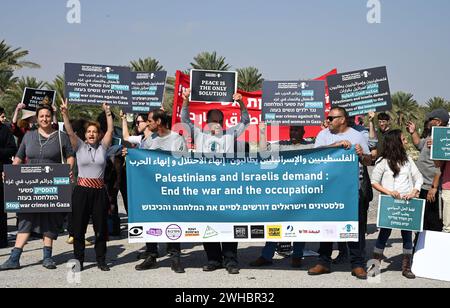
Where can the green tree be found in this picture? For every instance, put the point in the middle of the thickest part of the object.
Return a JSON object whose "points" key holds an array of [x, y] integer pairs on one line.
{"points": [[437, 103], [146, 65], [250, 79], [11, 59], [404, 108], [6, 80], [210, 61], [13, 94]]}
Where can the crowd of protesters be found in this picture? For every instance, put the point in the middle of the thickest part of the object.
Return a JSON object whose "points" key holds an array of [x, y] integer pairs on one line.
{"points": [[98, 164]]}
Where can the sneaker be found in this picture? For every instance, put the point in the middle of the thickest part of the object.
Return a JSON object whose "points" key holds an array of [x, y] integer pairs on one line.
{"points": [[211, 267], [144, 255], [103, 266], [49, 263], [149, 263], [9, 265], [233, 269], [177, 267]]}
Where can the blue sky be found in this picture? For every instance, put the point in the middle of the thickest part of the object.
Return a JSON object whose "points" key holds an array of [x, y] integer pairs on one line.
{"points": [[285, 39]]}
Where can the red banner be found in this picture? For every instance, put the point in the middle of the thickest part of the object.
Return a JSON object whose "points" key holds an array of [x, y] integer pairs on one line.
{"points": [[232, 113]]}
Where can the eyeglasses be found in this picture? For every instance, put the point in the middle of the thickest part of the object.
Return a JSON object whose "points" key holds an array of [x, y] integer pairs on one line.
{"points": [[331, 119]]}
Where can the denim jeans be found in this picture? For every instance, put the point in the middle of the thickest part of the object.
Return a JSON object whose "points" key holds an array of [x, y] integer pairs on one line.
{"points": [[384, 235], [269, 250]]}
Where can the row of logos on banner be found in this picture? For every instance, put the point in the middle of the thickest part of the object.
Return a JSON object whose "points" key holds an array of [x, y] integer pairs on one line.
{"points": [[198, 232]]}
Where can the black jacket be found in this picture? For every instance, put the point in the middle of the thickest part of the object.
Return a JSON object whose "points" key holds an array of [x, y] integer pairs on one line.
{"points": [[8, 147]]}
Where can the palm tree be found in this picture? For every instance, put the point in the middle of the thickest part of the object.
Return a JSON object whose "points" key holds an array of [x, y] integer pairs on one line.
{"points": [[146, 65], [58, 85], [6, 80], [250, 79], [437, 103], [13, 94], [210, 61], [404, 108], [11, 59]]}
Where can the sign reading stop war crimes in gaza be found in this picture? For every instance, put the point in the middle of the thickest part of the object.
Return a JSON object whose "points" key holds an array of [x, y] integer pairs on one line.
{"points": [[300, 103], [147, 91], [305, 196], [88, 84], [361, 92], [33, 97], [213, 86], [42, 188]]}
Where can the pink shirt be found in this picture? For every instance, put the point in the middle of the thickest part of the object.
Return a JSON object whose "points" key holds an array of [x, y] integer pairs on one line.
{"points": [[446, 177]]}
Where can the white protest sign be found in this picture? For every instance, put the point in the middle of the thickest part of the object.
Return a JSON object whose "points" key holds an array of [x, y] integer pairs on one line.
{"points": [[432, 256]]}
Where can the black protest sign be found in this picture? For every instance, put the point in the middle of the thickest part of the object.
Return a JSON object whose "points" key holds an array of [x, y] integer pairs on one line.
{"points": [[213, 86], [297, 103], [147, 91], [43, 188], [33, 97], [88, 84], [361, 92]]}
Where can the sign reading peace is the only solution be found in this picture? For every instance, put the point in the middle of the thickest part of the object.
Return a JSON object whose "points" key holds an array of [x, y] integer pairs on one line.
{"points": [[213, 86]]}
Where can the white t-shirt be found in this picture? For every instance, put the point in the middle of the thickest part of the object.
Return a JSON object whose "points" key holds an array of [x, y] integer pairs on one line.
{"points": [[326, 138], [408, 178], [173, 142]]}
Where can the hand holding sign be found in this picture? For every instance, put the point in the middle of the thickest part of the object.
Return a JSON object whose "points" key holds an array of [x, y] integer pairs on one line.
{"points": [[412, 195], [213, 86], [186, 95], [20, 106], [237, 97], [395, 194]]}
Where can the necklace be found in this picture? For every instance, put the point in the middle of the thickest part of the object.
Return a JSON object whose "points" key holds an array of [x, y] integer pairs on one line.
{"points": [[92, 156], [43, 144]]}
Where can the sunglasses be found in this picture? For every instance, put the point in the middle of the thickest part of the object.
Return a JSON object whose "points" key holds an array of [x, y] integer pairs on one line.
{"points": [[331, 119]]}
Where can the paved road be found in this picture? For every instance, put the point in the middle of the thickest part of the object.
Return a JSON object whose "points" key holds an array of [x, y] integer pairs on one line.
{"points": [[122, 257]]}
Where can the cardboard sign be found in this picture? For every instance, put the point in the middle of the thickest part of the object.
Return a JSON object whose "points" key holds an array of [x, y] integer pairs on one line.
{"points": [[400, 214], [33, 97], [432, 255], [440, 149], [147, 91], [88, 84], [43, 188], [213, 86], [361, 92], [299, 103]]}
